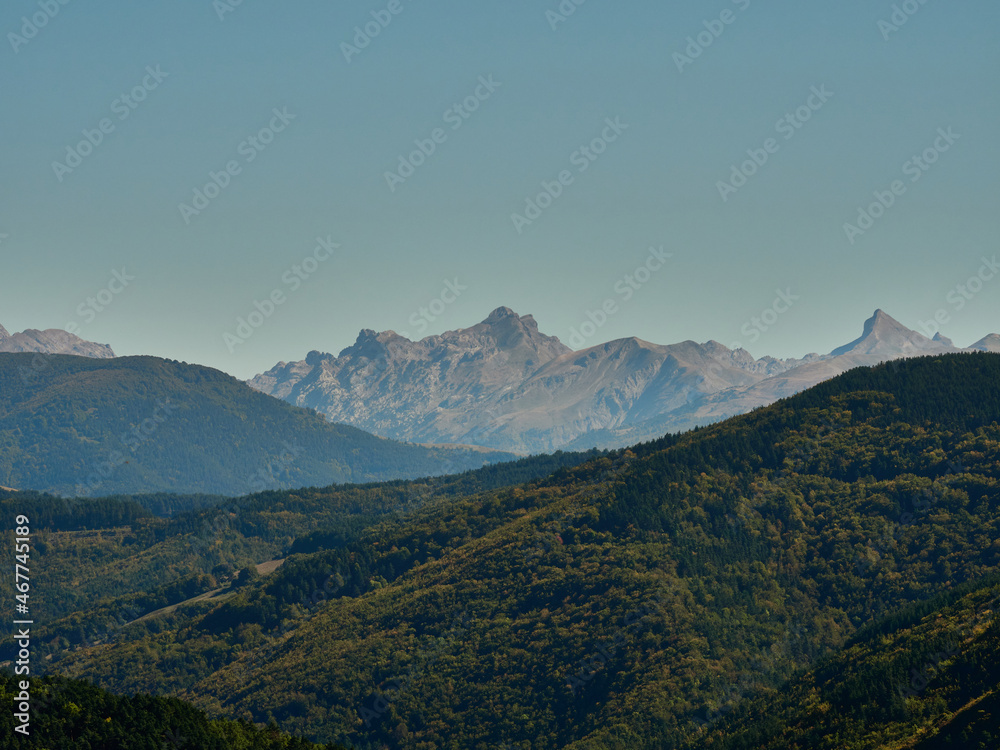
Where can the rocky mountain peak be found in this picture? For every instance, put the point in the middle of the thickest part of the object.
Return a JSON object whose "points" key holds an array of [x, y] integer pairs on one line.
{"points": [[314, 358], [501, 313], [505, 319], [373, 345], [502, 383], [884, 335], [52, 341]]}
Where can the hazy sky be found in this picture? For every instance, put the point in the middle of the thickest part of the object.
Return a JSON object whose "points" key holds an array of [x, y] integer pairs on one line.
{"points": [[184, 90]]}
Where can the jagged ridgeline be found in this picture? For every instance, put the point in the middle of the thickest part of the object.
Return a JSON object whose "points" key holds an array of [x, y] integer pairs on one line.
{"points": [[636, 600], [506, 385], [80, 426]]}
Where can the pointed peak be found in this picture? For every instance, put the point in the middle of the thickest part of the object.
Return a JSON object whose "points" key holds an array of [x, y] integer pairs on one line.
{"points": [[501, 313], [943, 339], [3, 333], [884, 335], [372, 344], [881, 319], [504, 318], [715, 345]]}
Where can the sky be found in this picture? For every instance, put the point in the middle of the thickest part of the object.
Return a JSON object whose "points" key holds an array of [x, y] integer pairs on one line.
{"points": [[237, 184]]}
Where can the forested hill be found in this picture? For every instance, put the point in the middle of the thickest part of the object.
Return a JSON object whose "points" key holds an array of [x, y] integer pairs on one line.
{"points": [[68, 714], [925, 679], [79, 426], [620, 603]]}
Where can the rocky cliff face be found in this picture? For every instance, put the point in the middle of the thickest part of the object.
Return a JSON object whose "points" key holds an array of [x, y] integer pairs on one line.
{"points": [[503, 384], [52, 341]]}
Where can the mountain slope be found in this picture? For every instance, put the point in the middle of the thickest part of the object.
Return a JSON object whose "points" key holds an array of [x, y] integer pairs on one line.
{"points": [[52, 341], [885, 336], [989, 343], [437, 390], [504, 385], [926, 678], [884, 339], [72, 714], [619, 603], [163, 542], [140, 424]]}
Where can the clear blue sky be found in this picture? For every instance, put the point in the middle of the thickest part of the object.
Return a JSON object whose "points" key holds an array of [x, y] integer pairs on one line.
{"points": [[657, 184]]}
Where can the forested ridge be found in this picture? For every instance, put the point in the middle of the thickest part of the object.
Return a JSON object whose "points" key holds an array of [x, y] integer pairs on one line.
{"points": [[926, 678], [641, 599], [74, 715], [94, 427], [115, 553]]}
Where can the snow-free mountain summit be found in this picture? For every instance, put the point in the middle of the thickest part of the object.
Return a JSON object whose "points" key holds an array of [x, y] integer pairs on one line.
{"points": [[52, 341], [503, 384]]}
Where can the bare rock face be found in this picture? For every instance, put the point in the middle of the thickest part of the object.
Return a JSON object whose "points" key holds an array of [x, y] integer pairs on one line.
{"points": [[502, 384], [52, 341], [885, 336], [428, 391]]}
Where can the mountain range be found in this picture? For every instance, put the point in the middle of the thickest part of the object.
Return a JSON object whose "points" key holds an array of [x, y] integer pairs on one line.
{"points": [[820, 573], [52, 341], [505, 385]]}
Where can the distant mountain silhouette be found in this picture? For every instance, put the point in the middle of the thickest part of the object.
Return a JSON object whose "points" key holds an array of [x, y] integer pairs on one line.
{"points": [[503, 384], [52, 341]]}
